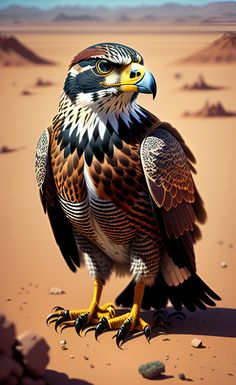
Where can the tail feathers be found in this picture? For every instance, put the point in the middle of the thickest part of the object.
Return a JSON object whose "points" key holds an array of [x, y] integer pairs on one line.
{"points": [[193, 293]]}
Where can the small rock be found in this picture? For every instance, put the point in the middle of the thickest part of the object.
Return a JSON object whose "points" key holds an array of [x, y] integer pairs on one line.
{"points": [[63, 342], [166, 339], [152, 369], [34, 350], [56, 291], [8, 299], [72, 357], [92, 366], [86, 358], [63, 347], [26, 93], [182, 376], [223, 264], [196, 343]]}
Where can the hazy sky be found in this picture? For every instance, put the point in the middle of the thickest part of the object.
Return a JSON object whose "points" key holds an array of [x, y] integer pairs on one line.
{"points": [[51, 3]]}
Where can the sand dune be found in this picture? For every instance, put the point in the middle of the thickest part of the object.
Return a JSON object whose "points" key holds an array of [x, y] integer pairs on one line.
{"points": [[14, 53], [222, 50]]}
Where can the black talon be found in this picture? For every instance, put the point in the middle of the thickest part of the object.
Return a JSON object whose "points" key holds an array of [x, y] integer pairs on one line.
{"points": [[147, 333], [89, 330], [65, 327], [122, 333], [80, 322], [62, 318], [52, 318], [56, 308], [102, 326]]}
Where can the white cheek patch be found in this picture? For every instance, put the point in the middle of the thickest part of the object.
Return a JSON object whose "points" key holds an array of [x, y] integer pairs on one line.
{"points": [[112, 79]]}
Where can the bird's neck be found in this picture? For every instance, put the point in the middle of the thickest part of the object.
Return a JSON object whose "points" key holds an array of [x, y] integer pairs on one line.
{"points": [[119, 113]]}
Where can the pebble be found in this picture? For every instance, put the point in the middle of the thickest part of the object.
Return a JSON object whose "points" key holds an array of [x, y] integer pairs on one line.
{"points": [[86, 358], [56, 291], [223, 264], [63, 342], [182, 376], [72, 357], [196, 343]]}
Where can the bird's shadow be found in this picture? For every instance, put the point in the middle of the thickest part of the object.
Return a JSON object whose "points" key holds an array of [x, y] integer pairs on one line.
{"points": [[215, 322], [57, 378]]}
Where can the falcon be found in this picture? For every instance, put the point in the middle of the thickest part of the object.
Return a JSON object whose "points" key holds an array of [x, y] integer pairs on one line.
{"points": [[117, 186]]}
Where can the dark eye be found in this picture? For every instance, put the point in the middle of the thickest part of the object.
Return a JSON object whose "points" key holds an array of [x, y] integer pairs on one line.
{"points": [[104, 66]]}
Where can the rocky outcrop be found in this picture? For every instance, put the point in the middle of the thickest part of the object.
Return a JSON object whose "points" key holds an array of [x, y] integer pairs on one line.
{"points": [[211, 110], [200, 85], [23, 359]]}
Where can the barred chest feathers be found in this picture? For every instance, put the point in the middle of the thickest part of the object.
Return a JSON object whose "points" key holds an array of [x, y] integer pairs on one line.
{"points": [[97, 171]]}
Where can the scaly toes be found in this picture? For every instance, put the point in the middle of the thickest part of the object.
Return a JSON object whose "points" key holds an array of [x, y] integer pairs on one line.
{"points": [[125, 324], [123, 332]]}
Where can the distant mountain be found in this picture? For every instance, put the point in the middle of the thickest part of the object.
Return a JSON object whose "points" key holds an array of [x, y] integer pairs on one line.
{"points": [[222, 50], [215, 12], [13, 52], [62, 18]]}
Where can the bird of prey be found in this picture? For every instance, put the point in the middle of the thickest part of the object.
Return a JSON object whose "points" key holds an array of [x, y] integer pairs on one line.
{"points": [[117, 186]]}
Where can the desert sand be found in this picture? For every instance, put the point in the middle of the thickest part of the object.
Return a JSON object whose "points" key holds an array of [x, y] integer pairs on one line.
{"points": [[31, 263]]}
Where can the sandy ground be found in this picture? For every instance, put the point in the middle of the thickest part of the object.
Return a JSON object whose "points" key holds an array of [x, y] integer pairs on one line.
{"points": [[30, 260]]}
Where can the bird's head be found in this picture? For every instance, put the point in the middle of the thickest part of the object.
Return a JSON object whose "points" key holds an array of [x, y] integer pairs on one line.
{"points": [[108, 69]]}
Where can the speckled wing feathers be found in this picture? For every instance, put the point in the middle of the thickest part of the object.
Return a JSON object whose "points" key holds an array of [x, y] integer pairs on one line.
{"points": [[169, 179], [60, 225]]}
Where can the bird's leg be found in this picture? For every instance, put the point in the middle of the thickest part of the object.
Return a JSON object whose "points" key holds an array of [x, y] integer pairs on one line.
{"points": [[127, 322], [80, 319]]}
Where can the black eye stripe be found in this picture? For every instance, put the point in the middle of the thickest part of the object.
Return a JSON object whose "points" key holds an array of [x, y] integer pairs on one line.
{"points": [[85, 63]]}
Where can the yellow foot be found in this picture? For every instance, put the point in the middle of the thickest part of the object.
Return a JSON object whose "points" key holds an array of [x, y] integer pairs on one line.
{"points": [[125, 324], [80, 319]]}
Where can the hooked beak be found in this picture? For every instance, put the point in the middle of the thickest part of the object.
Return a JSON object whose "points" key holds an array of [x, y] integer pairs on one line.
{"points": [[136, 78]]}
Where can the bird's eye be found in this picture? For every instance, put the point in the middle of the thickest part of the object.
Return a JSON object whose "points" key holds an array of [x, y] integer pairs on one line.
{"points": [[104, 66]]}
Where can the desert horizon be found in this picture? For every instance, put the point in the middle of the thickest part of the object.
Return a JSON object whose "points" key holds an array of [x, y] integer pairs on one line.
{"points": [[31, 263]]}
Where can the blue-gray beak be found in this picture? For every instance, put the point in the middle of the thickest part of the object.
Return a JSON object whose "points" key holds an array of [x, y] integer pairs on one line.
{"points": [[147, 84]]}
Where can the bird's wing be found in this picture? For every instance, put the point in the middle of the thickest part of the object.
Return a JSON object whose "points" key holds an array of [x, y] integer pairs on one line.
{"points": [[175, 200], [60, 225]]}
